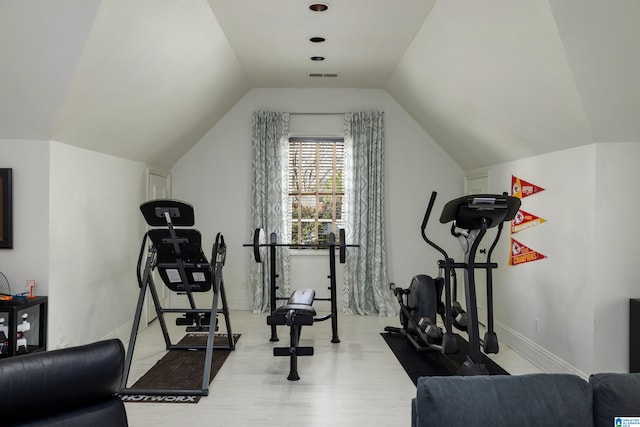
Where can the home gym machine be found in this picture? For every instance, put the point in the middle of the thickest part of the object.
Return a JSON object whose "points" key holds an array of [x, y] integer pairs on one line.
{"points": [[470, 216], [177, 256], [298, 310]]}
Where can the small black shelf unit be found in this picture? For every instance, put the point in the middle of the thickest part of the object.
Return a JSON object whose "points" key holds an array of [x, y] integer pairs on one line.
{"points": [[12, 311]]}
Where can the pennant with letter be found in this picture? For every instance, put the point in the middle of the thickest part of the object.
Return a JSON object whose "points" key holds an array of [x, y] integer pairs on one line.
{"points": [[521, 188], [524, 220], [521, 254]]}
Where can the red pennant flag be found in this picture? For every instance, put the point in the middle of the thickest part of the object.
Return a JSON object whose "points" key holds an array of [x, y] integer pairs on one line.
{"points": [[521, 188], [524, 220], [521, 254]]}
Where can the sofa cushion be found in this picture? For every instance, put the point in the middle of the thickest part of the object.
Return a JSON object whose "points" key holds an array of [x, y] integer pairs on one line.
{"points": [[615, 395], [77, 383], [524, 400], [106, 413]]}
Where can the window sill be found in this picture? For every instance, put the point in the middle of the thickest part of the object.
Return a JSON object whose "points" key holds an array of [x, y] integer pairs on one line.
{"points": [[308, 252]]}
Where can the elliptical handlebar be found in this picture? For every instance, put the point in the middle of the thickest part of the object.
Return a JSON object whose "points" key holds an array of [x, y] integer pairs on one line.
{"points": [[425, 220], [427, 214]]}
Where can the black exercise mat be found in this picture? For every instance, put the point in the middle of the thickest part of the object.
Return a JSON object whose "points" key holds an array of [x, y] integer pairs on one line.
{"points": [[431, 363], [181, 370]]}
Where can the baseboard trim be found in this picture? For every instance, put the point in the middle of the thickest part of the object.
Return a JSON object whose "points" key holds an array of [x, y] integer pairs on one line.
{"points": [[240, 304], [534, 353], [123, 333]]}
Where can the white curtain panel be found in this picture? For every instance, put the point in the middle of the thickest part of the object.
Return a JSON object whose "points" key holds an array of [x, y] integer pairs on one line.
{"points": [[269, 200], [366, 286]]}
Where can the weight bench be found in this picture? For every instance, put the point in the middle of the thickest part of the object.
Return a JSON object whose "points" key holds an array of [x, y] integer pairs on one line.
{"points": [[295, 314]]}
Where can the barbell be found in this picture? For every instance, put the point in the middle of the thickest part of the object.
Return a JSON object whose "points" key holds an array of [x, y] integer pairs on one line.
{"points": [[260, 244]]}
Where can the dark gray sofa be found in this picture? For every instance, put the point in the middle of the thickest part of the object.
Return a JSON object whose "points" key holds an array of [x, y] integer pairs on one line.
{"points": [[525, 400], [73, 387]]}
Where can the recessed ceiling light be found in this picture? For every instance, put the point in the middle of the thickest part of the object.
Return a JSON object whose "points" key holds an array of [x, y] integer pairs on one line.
{"points": [[317, 39], [317, 58], [319, 7]]}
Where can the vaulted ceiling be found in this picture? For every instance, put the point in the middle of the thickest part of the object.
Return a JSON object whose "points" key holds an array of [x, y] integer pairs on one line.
{"points": [[489, 80]]}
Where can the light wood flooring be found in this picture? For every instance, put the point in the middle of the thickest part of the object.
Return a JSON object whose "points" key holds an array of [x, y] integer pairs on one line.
{"points": [[357, 382]]}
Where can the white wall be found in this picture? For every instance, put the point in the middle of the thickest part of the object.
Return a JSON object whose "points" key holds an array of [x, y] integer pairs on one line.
{"points": [[580, 293], [616, 253], [29, 258], [215, 177], [95, 234], [77, 231]]}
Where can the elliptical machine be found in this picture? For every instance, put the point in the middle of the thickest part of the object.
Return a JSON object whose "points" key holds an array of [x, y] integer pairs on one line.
{"points": [[470, 216]]}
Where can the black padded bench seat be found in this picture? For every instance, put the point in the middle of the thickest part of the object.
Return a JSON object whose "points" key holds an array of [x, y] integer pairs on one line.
{"points": [[297, 310], [295, 313]]}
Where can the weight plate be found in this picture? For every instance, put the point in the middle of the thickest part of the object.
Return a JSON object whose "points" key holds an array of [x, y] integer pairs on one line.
{"points": [[259, 242]]}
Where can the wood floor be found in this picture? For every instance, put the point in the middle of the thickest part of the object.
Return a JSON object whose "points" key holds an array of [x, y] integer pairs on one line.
{"points": [[357, 382]]}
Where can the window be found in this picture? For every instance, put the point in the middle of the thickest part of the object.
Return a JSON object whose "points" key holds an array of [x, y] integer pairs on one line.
{"points": [[316, 188]]}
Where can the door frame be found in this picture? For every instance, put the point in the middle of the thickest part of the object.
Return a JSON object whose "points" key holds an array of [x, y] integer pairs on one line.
{"points": [[148, 311], [155, 170]]}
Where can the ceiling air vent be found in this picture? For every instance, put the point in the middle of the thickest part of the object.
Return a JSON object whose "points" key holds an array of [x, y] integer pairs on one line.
{"points": [[323, 74]]}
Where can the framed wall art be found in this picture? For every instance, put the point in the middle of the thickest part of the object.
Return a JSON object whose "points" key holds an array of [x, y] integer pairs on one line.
{"points": [[6, 209]]}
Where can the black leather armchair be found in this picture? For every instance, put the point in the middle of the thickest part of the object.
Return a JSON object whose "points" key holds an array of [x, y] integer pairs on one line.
{"points": [[72, 387]]}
